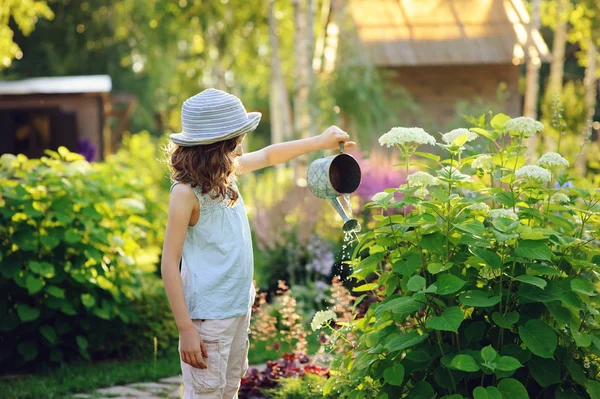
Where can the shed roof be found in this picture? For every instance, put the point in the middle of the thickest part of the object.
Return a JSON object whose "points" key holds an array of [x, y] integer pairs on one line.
{"points": [[57, 85], [439, 32]]}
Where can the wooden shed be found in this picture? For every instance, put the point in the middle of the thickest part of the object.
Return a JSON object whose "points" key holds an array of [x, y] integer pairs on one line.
{"points": [[441, 51], [73, 111]]}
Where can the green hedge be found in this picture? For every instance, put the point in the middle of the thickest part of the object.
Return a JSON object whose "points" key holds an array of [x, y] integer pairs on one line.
{"points": [[74, 240]]}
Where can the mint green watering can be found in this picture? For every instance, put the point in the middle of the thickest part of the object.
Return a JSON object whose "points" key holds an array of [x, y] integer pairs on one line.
{"points": [[330, 177]]}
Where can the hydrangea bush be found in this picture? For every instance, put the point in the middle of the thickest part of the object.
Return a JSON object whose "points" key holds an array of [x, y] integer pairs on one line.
{"points": [[486, 282]]}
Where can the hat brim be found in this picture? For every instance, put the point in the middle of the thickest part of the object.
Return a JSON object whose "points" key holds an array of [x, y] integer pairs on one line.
{"points": [[185, 141]]}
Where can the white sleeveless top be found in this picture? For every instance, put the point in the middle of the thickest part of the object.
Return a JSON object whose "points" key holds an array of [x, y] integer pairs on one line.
{"points": [[218, 264]]}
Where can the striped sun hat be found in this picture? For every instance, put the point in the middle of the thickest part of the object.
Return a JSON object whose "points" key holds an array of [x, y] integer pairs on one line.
{"points": [[212, 116]]}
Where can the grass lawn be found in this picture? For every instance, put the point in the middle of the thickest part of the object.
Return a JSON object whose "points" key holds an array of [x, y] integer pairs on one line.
{"points": [[87, 376]]}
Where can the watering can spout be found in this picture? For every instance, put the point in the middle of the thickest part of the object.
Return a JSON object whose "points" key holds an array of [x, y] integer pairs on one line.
{"points": [[349, 223]]}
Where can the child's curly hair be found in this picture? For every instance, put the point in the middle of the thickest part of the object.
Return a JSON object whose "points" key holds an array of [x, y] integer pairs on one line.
{"points": [[211, 167]]}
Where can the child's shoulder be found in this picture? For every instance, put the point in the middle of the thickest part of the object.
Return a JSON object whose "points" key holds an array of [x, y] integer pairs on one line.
{"points": [[179, 189]]}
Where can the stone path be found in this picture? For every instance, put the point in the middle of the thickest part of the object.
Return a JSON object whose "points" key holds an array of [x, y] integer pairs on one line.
{"points": [[166, 388]]}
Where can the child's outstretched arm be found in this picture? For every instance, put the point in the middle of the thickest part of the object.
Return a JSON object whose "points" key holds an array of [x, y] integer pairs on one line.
{"points": [[282, 152], [181, 206]]}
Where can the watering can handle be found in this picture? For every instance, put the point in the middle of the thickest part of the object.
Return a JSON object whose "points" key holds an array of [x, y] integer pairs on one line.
{"points": [[341, 149]]}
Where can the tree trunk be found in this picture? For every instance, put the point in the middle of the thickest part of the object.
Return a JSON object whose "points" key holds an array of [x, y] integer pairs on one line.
{"points": [[590, 85], [279, 106], [302, 47], [557, 66], [533, 75]]}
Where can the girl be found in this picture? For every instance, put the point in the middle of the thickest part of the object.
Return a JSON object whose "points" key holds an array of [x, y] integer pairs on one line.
{"points": [[208, 232]]}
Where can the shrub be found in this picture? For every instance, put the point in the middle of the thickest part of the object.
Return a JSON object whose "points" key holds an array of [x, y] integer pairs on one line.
{"points": [[260, 384], [70, 232], [486, 282]]}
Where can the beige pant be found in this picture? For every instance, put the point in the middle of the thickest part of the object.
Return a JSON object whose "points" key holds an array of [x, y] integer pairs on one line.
{"points": [[227, 345]]}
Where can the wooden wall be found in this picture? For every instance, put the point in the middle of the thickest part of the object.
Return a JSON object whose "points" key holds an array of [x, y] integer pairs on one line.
{"points": [[438, 89], [87, 109]]}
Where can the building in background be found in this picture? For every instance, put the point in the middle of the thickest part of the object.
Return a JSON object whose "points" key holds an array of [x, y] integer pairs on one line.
{"points": [[440, 51], [77, 112]]}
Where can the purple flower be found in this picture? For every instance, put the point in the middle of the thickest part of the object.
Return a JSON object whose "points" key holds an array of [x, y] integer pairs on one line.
{"points": [[87, 149], [568, 184], [378, 173]]}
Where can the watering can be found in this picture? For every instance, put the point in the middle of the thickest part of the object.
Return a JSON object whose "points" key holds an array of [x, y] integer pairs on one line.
{"points": [[330, 177]]}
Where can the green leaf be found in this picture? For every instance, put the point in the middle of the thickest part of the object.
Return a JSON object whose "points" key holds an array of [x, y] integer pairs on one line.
{"points": [[507, 363], [499, 120], [545, 371], [366, 287], [473, 227], [582, 286], [427, 155], [492, 259], [416, 283], [55, 291], [49, 241], [486, 393], [513, 389], [464, 363], [27, 313], [460, 140], [538, 282], [507, 320], [421, 390], [33, 284], [582, 339], [534, 249], [406, 267], [82, 342], [328, 386], [28, 350], [539, 338], [593, 388], [367, 266], [435, 268], [455, 396], [449, 284], [542, 270], [394, 375], [449, 320], [48, 333], [67, 308], [402, 306], [44, 269], [478, 299], [404, 341], [488, 353], [88, 300], [72, 236]]}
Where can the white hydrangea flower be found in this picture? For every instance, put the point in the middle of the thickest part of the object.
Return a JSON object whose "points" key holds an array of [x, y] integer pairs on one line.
{"points": [[503, 213], [479, 207], [552, 160], [526, 126], [533, 172], [484, 162], [422, 179], [405, 136], [379, 196], [454, 134], [560, 198], [322, 317], [421, 192]]}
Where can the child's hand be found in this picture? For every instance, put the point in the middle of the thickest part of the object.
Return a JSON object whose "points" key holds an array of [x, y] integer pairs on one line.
{"points": [[330, 139], [192, 348]]}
